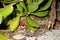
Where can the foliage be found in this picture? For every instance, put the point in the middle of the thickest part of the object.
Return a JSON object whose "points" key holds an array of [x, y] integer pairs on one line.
{"points": [[38, 8], [3, 37]]}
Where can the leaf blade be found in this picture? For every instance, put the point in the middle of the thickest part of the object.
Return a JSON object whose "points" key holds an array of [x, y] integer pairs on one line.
{"points": [[31, 22], [46, 6], [23, 5], [20, 8], [7, 11], [14, 23], [29, 1], [40, 14], [30, 27], [2, 37], [32, 7]]}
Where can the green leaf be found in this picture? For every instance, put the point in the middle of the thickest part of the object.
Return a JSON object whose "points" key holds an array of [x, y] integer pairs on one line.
{"points": [[6, 11], [40, 14], [20, 8], [39, 1], [29, 1], [30, 27], [23, 5], [32, 22], [46, 6], [1, 9], [14, 23], [9, 22], [3, 37], [34, 5], [9, 1], [0, 18]]}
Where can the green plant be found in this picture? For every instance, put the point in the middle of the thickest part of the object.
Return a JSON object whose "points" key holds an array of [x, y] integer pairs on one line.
{"points": [[33, 8], [3, 37], [30, 7]]}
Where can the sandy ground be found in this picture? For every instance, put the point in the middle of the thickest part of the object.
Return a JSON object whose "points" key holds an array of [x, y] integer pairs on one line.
{"points": [[49, 35]]}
